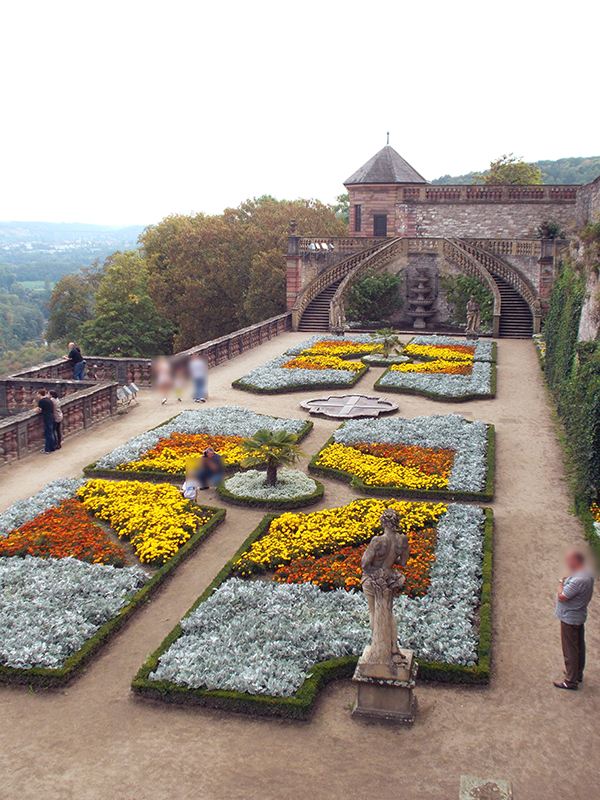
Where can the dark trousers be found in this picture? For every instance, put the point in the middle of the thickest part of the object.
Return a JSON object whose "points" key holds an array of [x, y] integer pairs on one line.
{"points": [[206, 476], [199, 388], [573, 646], [57, 434], [50, 447]]}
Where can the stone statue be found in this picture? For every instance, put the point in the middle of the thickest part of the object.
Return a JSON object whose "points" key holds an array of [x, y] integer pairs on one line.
{"points": [[473, 317], [381, 583], [337, 317]]}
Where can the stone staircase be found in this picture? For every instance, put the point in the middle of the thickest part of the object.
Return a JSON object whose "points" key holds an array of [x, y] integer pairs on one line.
{"points": [[316, 315], [516, 321]]}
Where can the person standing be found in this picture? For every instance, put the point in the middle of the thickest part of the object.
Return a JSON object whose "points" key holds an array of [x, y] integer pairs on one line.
{"points": [[574, 594], [198, 374], [77, 360], [58, 418], [45, 407]]}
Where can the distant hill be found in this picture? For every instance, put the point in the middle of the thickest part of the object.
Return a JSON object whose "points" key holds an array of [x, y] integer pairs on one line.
{"points": [[563, 170]]}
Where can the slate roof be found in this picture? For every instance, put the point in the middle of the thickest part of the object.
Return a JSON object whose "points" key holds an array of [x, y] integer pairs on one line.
{"points": [[387, 166]]}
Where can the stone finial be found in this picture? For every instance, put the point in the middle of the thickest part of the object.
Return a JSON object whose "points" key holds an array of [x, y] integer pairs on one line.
{"points": [[293, 226]]}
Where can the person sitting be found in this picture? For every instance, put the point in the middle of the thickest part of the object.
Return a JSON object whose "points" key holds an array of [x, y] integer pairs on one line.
{"points": [[210, 472], [191, 484]]}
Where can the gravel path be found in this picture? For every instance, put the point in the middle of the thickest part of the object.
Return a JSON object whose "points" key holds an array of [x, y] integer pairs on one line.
{"points": [[94, 741]]}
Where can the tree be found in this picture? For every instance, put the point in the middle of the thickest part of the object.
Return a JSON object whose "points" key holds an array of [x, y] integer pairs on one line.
{"points": [[125, 320], [210, 275], [390, 343], [373, 296], [71, 304], [272, 449], [342, 207], [508, 169]]}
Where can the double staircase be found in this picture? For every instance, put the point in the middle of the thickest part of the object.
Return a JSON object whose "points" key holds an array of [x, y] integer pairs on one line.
{"points": [[514, 295]]}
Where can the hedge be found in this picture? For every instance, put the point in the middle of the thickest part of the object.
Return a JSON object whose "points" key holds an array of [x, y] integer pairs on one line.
{"points": [[254, 502], [397, 491], [50, 678], [91, 471], [301, 704], [441, 397], [300, 387]]}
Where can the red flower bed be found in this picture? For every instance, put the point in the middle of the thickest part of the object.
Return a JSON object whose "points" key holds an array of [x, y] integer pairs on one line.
{"points": [[63, 531]]}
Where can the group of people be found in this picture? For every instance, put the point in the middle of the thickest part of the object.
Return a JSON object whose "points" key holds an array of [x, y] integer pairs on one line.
{"points": [[167, 376], [202, 473], [48, 405]]}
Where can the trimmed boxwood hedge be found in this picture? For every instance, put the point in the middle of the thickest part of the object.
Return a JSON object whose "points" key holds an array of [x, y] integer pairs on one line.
{"points": [[300, 387], [91, 471], [254, 502], [395, 491], [301, 704], [441, 397], [51, 678]]}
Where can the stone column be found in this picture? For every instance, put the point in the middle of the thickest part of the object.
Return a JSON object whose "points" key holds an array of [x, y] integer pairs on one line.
{"points": [[293, 269]]}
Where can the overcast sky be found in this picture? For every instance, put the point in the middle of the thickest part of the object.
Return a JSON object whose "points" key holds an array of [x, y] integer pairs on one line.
{"points": [[125, 112]]}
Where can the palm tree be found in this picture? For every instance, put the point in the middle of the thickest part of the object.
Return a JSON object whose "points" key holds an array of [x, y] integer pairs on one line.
{"points": [[390, 341], [273, 449]]}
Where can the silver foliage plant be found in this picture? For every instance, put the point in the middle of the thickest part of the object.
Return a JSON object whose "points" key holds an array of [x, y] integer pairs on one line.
{"points": [[272, 375], [468, 439], [25, 510], [291, 484], [484, 348], [478, 382], [359, 338], [50, 607], [224, 421], [264, 637]]}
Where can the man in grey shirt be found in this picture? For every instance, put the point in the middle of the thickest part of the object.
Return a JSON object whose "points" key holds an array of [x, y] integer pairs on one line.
{"points": [[574, 594]]}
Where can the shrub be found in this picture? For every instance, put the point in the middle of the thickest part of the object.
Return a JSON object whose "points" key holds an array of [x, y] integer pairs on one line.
{"points": [[373, 296], [458, 289]]}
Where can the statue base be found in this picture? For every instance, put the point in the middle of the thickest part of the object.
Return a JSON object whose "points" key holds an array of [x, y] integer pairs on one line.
{"points": [[472, 335], [386, 691]]}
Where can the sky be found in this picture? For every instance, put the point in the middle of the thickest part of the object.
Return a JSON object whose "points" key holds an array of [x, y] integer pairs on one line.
{"points": [[125, 112]]}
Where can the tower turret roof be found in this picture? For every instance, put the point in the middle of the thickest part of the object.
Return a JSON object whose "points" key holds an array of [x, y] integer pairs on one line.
{"points": [[386, 166]]}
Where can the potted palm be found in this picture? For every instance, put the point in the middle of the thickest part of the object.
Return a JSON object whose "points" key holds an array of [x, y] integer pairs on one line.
{"points": [[387, 350], [275, 449]]}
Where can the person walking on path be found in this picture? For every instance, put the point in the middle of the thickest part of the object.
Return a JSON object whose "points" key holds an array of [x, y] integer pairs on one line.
{"points": [[198, 373], [77, 360], [45, 407], [58, 418], [574, 594]]}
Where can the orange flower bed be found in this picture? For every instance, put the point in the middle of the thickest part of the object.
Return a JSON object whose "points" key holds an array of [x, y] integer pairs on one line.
{"points": [[342, 569], [171, 454], [428, 460], [64, 531]]}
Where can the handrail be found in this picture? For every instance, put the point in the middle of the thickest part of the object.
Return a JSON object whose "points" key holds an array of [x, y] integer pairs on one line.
{"points": [[326, 278], [379, 258], [509, 247], [502, 269], [455, 250]]}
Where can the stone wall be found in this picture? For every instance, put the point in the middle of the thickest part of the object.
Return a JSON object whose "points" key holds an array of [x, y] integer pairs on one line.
{"points": [[588, 211]]}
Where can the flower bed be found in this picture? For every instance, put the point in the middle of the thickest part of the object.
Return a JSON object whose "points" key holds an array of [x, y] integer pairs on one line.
{"points": [[161, 454], [379, 360], [452, 387], [483, 349], [445, 457], [320, 362], [268, 647], [60, 603], [294, 489]]}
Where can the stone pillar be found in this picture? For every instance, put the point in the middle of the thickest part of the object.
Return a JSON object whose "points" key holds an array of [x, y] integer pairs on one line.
{"points": [[293, 269], [547, 272]]}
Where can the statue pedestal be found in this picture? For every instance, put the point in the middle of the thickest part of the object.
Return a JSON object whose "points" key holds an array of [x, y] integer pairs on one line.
{"points": [[472, 336], [385, 691]]}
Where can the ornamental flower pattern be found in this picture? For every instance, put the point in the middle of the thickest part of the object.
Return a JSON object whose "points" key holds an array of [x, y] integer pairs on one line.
{"points": [[291, 484]]}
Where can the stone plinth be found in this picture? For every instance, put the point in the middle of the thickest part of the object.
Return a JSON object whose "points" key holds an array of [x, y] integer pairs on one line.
{"points": [[385, 691]]}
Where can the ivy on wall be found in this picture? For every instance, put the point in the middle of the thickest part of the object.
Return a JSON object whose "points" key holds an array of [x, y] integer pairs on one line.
{"points": [[458, 290]]}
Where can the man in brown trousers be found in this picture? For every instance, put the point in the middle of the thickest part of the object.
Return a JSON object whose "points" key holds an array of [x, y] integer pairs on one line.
{"points": [[574, 594]]}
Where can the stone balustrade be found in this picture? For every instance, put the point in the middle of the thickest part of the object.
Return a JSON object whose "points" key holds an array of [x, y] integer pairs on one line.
{"points": [[24, 433], [18, 394], [492, 194]]}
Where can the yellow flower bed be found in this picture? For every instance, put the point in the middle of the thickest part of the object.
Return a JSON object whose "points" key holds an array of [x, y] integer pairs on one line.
{"points": [[154, 517], [436, 367], [438, 352], [379, 471], [173, 454], [292, 536], [340, 348], [308, 361]]}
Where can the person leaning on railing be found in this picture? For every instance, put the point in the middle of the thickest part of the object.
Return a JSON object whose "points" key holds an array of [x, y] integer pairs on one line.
{"points": [[77, 360]]}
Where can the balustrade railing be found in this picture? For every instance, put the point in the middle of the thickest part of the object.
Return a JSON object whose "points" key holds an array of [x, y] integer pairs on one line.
{"points": [[476, 193], [509, 247], [339, 244], [23, 433], [454, 250], [496, 266]]}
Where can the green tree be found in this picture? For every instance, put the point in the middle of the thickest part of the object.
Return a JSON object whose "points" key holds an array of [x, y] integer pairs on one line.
{"points": [[125, 321], [71, 304], [373, 297], [391, 343], [508, 169], [342, 207], [458, 289], [274, 449]]}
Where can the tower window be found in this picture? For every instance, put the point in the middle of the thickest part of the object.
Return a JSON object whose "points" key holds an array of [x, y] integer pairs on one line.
{"points": [[357, 219]]}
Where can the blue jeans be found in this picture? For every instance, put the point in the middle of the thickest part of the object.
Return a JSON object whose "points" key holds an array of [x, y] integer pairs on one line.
{"points": [[199, 388], [50, 445], [78, 371]]}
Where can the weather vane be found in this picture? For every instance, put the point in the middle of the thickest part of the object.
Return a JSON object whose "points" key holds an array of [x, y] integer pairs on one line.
{"points": [[388, 137]]}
